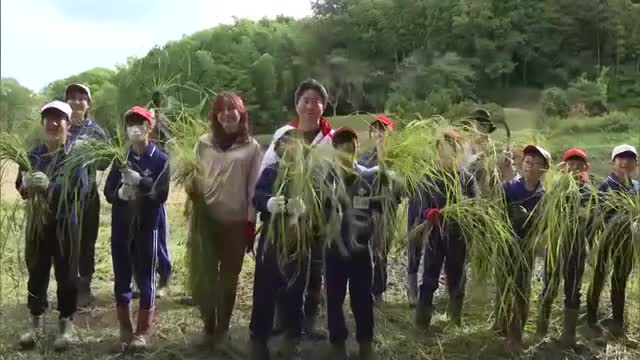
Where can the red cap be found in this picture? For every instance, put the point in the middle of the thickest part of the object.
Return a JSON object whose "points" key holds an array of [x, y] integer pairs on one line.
{"points": [[140, 111], [384, 120], [575, 152]]}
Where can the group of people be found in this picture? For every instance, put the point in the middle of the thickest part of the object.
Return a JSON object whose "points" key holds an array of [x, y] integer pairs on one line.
{"points": [[286, 297]]}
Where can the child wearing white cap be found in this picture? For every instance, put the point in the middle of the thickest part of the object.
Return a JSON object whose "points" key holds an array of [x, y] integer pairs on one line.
{"points": [[53, 241], [624, 163]]}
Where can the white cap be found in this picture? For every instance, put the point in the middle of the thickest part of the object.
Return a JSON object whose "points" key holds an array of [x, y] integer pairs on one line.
{"points": [[58, 105], [539, 149], [623, 149], [84, 88]]}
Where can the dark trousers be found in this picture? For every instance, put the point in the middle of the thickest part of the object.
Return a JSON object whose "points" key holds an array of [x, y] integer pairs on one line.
{"points": [[572, 271], [444, 245], [313, 295], [273, 284], [383, 233], [357, 272], [514, 296], [414, 252], [620, 254], [379, 275], [90, 222], [52, 245]]}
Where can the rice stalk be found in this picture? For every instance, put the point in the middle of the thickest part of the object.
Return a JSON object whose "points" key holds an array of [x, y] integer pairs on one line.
{"points": [[616, 236], [37, 210], [561, 221]]}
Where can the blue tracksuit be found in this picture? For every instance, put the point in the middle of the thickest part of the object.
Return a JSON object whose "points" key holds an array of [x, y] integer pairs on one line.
{"points": [[56, 242], [622, 262], [516, 196], [358, 202], [135, 225], [90, 217], [445, 243], [270, 280]]}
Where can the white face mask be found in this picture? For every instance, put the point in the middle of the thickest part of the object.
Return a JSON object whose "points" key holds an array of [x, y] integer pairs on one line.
{"points": [[135, 133]]}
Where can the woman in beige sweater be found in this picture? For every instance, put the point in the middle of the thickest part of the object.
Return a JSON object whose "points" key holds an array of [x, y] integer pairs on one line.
{"points": [[230, 160]]}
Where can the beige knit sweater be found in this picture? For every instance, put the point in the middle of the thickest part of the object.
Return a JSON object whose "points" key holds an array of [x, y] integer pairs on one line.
{"points": [[229, 180]]}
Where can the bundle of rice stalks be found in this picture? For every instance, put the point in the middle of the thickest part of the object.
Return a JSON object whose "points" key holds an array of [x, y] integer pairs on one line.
{"points": [[182, 147], [616, 226], [9, 227], [307, 173], [93, 152], [13, 149], [412, 152], [561, 220]]}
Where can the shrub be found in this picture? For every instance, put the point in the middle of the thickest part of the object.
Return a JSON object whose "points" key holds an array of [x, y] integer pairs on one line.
{"points": [[554, 102]]}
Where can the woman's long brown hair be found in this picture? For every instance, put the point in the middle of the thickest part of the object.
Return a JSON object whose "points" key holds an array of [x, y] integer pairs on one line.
{"points": [[219, 104]]}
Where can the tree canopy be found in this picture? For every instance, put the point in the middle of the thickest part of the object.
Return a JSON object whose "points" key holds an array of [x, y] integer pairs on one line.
{"points": [[372, 54]]}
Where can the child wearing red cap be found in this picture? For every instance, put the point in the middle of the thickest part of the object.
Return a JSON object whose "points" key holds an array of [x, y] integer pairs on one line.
{"points": [[378, 131], [576, 162], [137, 194]]}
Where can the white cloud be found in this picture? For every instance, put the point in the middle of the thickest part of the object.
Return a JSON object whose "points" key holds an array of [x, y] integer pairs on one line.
{"points": [[40, 43]]}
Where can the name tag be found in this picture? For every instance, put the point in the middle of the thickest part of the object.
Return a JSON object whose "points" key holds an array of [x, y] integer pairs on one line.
{"points": [[360, 202]]}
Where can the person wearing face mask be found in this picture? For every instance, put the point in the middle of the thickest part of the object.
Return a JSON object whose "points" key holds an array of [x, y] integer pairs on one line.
{"points": [[624, 160], [521, 197], [83, 128], [576, 162], [230, 158], [310, 101], [54, 243], [137, 194], [445, 244]]}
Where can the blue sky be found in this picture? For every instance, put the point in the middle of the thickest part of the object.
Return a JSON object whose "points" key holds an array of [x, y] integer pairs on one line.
{"points": [[45, 40]]}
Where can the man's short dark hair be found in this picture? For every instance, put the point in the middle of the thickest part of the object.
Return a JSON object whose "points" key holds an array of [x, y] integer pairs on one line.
{"points": [[311, 84]]}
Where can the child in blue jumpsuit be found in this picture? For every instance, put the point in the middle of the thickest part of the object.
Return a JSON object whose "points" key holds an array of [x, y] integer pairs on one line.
{"points": [[445, 243], [83, 129], [522, 196], [137, 195], [53, 241], [351, 268], [624, 160], [574, 256], [273, 281], [378, 131]]}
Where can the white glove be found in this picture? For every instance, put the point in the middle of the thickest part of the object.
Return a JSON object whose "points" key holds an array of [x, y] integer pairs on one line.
{"points": [[131, 177], [80, 142], [37, 181], [126, 193], [276, 204], [296, 207]]}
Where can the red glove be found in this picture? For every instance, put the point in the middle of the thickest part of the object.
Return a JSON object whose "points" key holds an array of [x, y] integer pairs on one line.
{"points": [[431, 215], [251, 236]]}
